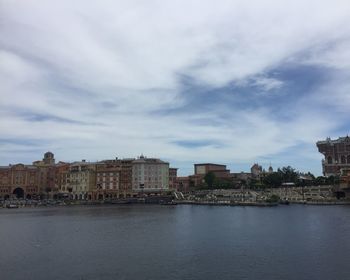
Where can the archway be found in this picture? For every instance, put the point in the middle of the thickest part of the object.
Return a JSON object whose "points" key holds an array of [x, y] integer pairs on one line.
{"points": [[19, 192]]}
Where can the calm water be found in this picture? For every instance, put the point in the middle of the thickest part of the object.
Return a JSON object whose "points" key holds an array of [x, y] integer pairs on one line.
{"points": [[175, 242]]}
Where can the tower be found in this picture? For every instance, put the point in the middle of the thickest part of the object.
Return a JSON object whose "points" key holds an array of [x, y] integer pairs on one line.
{"points": [[49, 158]]}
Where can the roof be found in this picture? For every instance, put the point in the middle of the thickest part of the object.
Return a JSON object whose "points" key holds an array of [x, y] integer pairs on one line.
{"points": [[196, 164], [335, 141], [149, 160]]}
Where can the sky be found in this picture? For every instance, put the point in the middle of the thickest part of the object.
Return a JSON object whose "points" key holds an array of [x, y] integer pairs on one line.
{"points": [[229, 82]]}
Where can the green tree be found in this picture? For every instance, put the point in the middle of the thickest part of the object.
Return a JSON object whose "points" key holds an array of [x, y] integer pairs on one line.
{"points": [[320, 180], [288, 174], [274, 179], [222, 183], [209, 179]]}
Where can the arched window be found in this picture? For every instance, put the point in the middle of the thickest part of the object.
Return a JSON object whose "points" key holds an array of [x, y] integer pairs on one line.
{"points": [[342, 159], [329, 160]]}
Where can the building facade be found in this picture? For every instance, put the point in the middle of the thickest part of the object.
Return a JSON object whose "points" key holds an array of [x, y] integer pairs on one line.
{"points": [[46, 168], [126, 177], [336, 155], [183, 184], [150, 175], [19, 181], [82, 180], [108, 180], [256, 171], [219, 170], [62, 179], [173, 179]]}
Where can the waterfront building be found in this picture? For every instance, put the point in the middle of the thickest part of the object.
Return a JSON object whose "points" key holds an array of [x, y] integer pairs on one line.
{"points": [[219, 170], [345, 180], [19, 181], [183, 184], [126, 177], [150, 175], [173, 178], [336, 155], [108, 179], [62, 183], [201, 169], [46, 168], [82, 180]]}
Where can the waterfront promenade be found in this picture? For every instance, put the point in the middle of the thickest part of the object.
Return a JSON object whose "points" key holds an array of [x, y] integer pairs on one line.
{"points": [[316, 195]]}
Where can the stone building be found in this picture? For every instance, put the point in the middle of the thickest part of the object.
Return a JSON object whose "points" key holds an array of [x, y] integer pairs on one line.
{"points": [[336, 155], [150, 175]]}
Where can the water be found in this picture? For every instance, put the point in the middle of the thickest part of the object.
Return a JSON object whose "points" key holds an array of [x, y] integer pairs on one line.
{"points": [[175, 242]]}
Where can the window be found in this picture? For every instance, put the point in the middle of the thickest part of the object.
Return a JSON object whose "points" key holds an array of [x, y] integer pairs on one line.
{"points": [[329, 160], [342, 159]]}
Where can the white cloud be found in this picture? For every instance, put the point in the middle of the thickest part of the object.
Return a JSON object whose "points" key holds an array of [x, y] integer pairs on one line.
{"points": [[111, 64], [267, 84]]}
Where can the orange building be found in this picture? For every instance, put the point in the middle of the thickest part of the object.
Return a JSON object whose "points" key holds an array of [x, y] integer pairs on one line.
{"points": [[108, 176], [19, 181], [62, 180]]}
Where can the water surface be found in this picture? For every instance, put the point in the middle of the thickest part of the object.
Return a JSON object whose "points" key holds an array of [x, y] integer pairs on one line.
{"points": [[175, 242]]}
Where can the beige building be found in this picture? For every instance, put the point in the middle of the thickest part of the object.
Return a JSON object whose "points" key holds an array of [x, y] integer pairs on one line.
{"points": [[150, 175], [46, 177], [82, 180]]}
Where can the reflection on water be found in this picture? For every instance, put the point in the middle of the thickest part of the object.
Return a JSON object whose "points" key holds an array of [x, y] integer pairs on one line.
{"points": [[175, 242]]}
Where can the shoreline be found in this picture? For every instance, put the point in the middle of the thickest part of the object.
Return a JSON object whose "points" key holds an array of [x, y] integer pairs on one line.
{"points": [[17, 205]]}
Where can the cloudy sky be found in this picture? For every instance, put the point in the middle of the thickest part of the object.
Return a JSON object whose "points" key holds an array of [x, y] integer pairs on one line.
{"points": [[233, 82]]}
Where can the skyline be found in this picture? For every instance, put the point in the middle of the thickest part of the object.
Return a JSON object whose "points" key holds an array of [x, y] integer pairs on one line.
{"points": [[235, 82]]}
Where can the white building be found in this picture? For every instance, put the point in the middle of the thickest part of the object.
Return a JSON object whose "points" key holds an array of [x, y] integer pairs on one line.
{"points": [[150, 175]]}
